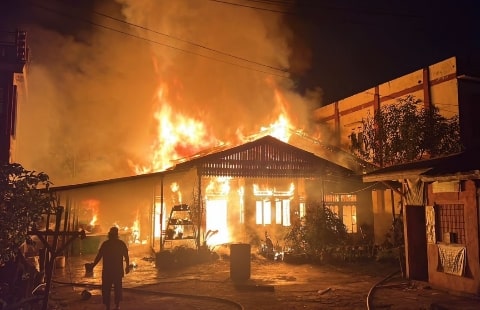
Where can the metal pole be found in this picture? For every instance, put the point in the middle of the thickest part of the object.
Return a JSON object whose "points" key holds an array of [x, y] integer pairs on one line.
{"points": [[161, 213], [199, 208]]}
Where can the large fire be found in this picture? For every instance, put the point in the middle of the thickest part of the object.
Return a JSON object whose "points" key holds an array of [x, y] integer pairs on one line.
{"points": [[179, 136]]}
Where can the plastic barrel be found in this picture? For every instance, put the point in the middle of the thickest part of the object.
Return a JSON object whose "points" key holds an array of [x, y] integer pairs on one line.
{"points": [[239, 262]]}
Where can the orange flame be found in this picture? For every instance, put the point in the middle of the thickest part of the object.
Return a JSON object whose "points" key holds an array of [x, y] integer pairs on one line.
{"points": [[178, 136], [91, 206], [93, 221]]}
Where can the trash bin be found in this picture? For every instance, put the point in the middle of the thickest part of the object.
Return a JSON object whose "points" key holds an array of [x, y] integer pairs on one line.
{"points": [[239, 262]]}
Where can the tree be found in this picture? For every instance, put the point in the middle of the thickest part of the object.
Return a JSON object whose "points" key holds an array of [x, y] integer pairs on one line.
{"points": [[406, 131], [25, 196]]}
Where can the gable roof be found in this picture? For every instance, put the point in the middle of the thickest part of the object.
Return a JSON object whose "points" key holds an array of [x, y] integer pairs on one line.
{"points": [[264, 157]]}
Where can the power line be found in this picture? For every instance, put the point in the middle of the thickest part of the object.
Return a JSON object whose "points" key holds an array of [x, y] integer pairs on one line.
{"points": [[189, 42], [317, 6], [253, 7], [167, 45]]}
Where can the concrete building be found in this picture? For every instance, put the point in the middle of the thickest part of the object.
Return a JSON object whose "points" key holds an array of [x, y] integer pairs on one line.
{"points": [[436, 198]]}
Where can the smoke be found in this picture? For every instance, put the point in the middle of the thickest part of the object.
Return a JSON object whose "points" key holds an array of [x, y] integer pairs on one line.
{"points": [[87, 102]]}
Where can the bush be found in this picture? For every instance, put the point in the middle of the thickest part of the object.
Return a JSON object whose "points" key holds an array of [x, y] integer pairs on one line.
{"points": [[317, 231]]}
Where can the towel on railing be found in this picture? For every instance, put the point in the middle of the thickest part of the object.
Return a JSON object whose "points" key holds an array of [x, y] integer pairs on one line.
{"points": [[452, 258]]}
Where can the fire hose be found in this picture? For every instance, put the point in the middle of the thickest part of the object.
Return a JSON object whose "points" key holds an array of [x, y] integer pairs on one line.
{"points": [[373, 288], [160, 293]]}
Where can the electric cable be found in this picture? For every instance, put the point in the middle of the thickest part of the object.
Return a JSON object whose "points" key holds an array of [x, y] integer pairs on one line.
{"points": [[189, 42], [168, 45], [316, 5]]}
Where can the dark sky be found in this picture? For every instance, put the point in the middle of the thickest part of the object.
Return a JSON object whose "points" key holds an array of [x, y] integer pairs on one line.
{"points": [[360, 44]]}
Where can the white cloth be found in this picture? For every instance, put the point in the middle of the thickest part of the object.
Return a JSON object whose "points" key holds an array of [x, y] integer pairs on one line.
{"points": [[452, 258]]}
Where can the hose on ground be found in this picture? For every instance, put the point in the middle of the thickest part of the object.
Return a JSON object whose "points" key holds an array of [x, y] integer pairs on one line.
{"points": [[159, 293], [372, 289]]}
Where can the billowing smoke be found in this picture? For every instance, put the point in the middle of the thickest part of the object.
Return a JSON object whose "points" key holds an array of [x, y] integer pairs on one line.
{"points": [[87, 101]]}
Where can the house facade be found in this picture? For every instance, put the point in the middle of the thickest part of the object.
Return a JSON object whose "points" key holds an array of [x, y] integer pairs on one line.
{"points": [[239, 192], [441, 219]]}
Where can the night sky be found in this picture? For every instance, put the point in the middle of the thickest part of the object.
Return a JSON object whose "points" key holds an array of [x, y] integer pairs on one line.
{"points": [[95, 70], [359, 44]]}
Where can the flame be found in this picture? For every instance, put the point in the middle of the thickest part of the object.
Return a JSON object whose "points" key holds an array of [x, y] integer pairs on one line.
{"points": [[280, 129], [93, 221], [176, 193], [177, 136], [136, 230], [216, 194], [91, 207]]}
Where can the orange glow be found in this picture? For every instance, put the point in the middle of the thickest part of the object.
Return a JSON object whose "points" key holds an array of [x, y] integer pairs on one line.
{"points": [[91, 207], [280, 129], [136, 230], [93, 221], [177, 136], [176, 193], [216, 210]]}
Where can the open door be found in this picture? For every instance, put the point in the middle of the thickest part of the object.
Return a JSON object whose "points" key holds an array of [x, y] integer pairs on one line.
{"points": [[416, 241]]}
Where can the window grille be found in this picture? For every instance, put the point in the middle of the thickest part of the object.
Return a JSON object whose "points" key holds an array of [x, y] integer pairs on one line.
{"points": [[450, 219]]}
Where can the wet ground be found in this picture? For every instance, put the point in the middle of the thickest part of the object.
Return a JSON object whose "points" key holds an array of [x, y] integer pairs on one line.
{"points": [[271, 285]]}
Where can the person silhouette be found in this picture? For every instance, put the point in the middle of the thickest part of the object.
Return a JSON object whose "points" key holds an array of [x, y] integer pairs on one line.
{"points": [[113, 251]]}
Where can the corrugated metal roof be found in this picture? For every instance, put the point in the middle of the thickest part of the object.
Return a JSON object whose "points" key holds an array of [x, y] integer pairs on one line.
{"points": [[264, 157], [464, 165]]}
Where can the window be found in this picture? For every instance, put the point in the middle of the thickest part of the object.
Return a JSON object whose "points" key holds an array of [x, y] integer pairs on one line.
{"points": [[449, 218], [282, 212], [343, 205], [263, 212], [242, 206], [350, 218], [334, 209], [267, 198], [302, 209]]}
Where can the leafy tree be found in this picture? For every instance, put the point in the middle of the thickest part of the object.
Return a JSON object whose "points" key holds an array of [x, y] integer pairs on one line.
{"points": [[25, 196], [406, 131], [319, 229]]}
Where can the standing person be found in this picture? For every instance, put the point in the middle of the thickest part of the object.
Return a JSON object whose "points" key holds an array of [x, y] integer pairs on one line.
{"points": [[112, 251]]}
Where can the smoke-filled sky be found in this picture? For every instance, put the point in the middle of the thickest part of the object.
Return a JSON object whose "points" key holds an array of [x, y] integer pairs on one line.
{"points": [[98, 73]]}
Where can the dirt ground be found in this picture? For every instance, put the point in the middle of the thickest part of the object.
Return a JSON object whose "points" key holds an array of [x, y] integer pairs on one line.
{"points": [[271, 285]]}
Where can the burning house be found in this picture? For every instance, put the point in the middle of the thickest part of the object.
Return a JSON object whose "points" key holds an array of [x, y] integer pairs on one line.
{"points": [[224, 195]]}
